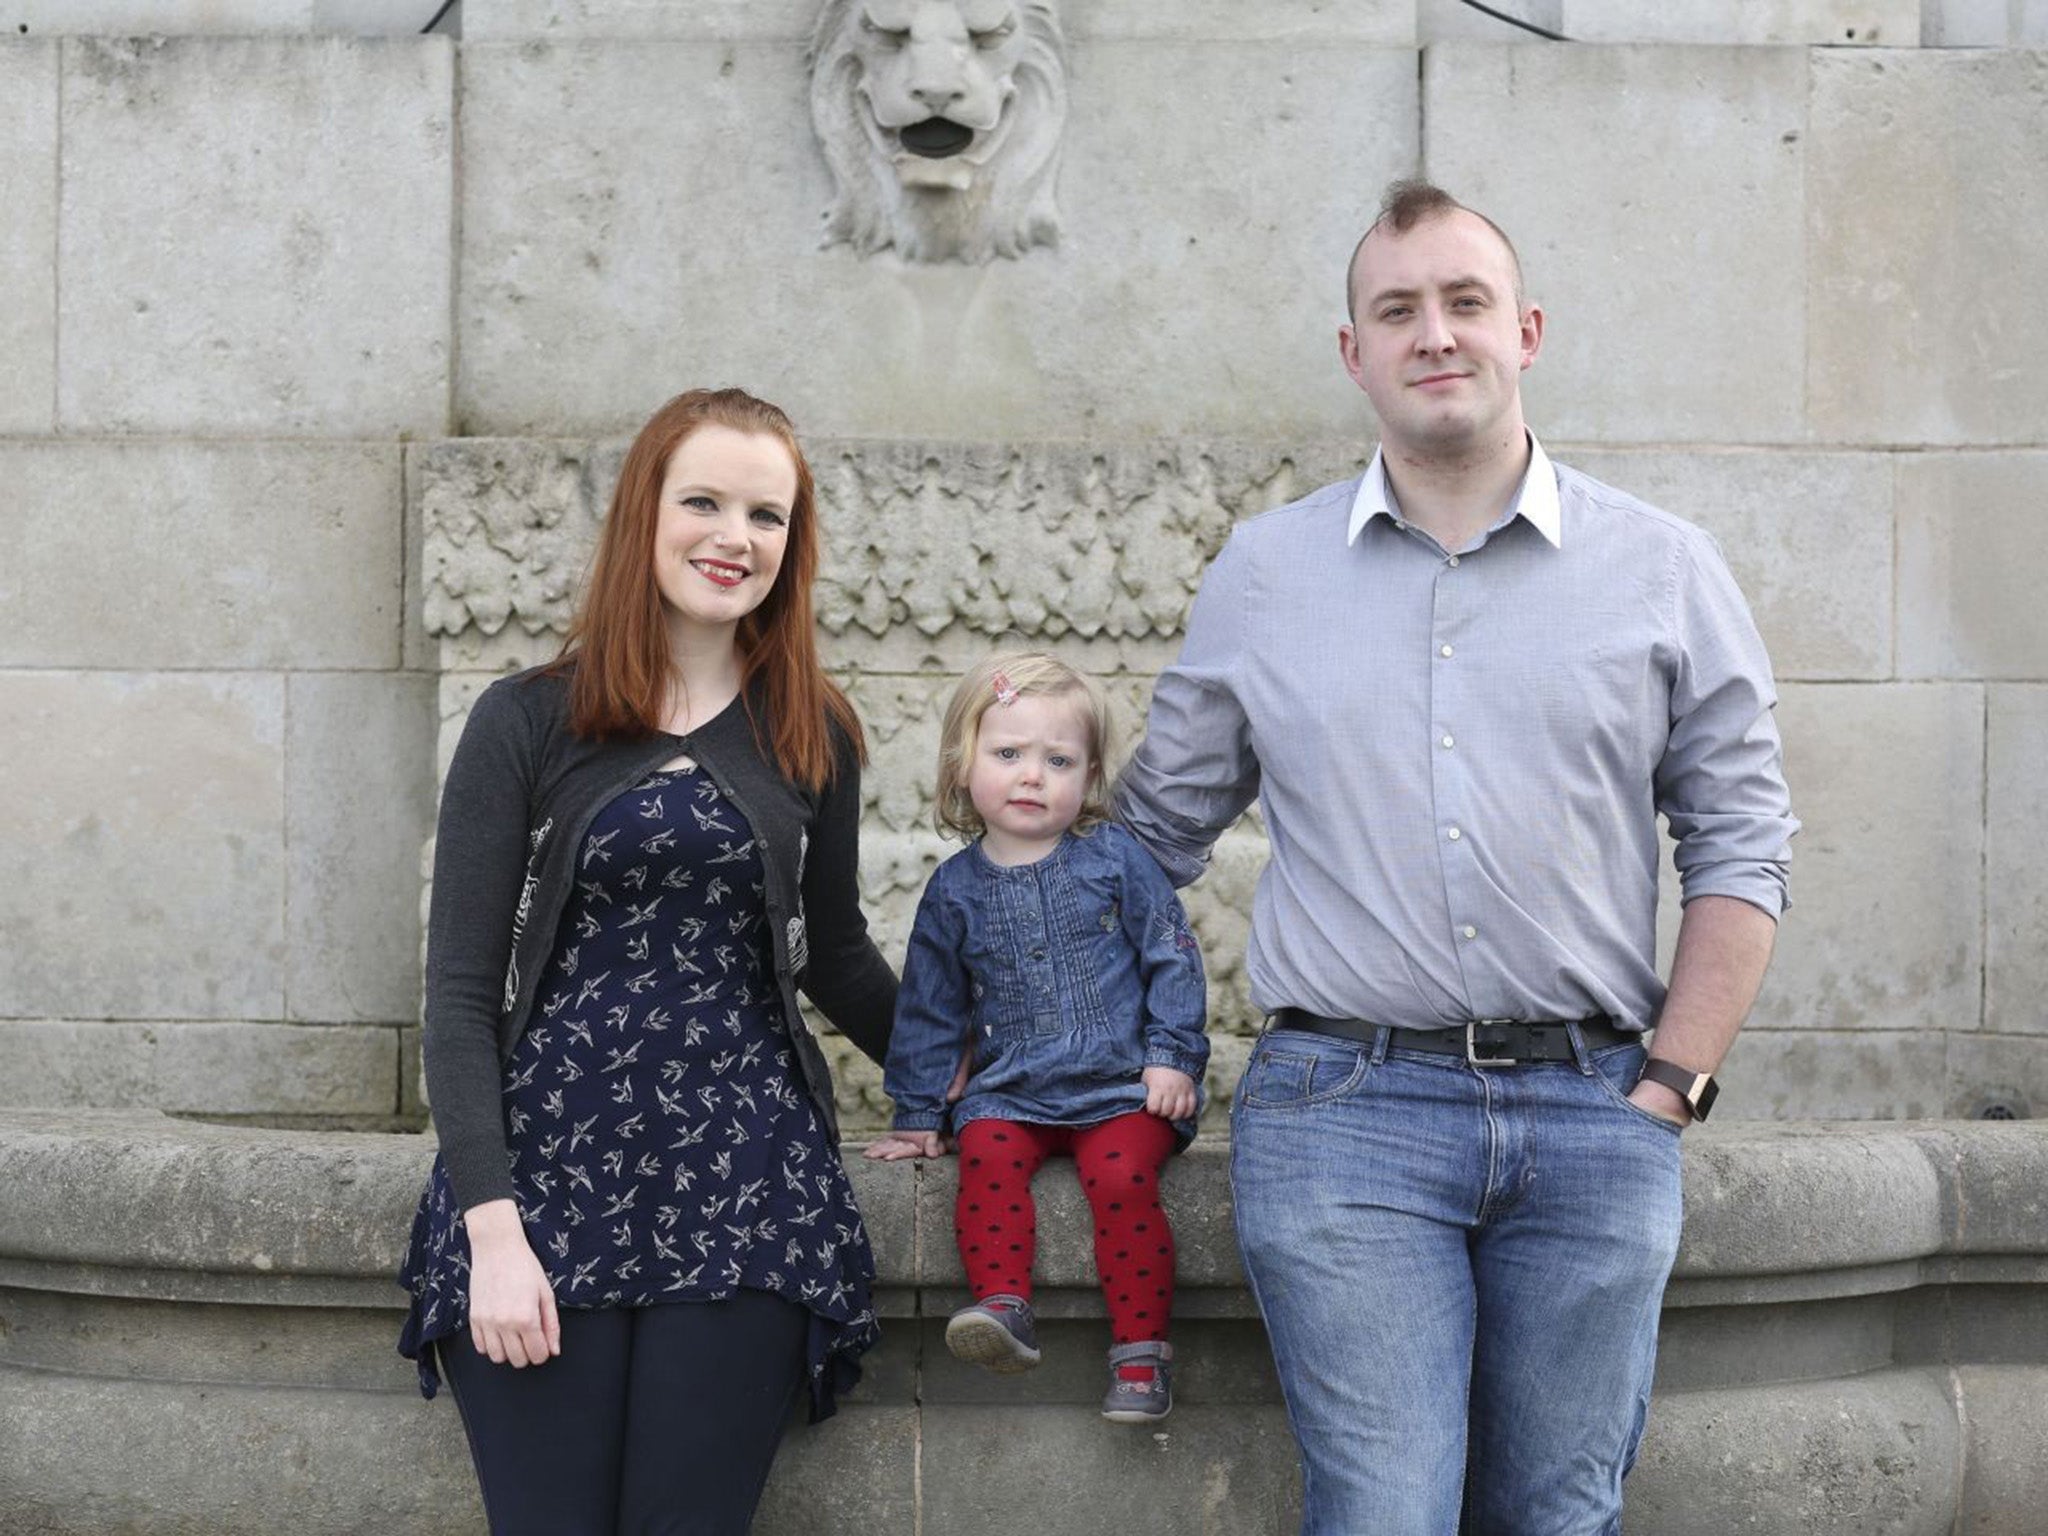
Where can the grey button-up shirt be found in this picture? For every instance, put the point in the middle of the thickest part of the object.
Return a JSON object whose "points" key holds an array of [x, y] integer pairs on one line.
{"points": [[1460, 758]]}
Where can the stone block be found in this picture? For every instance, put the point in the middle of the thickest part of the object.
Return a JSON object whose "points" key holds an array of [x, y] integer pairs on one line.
{"points": [[1996, 1199], [1224, 1468], [88, 1456], [1873, 1455], [270, 1070], [2015, 882], [1966, 23], [1798, 1074], [359, 801], [200, 554], [1675, 309], [2005, 1476], [1832, 23], [1886, 928], [1997, 1073], [1909, 255], [1453, 21], [1971, 564], [1178, 302], [255, 236], [28, 235], [853, 1475], [139, 18], [1808, 536], [145, 826]]}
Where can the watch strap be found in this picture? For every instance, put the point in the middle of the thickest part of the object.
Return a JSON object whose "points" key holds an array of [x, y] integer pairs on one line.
{"points": [[1698, 1089]]}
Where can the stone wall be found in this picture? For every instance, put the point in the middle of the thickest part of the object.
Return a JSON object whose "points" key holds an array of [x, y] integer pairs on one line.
{"points": [[1852, 1345], [317, 352]]}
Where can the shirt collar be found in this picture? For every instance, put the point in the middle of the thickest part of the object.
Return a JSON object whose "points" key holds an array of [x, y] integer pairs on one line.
{"points": [[1535, 498]]}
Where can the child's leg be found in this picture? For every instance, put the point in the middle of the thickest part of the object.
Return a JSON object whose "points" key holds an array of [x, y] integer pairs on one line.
{"points": [[1119, 1162], [993, 1215]]}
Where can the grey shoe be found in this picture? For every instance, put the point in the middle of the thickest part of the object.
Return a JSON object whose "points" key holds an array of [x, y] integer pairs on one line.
{"points": [[1139, 1402], [996, 1332]]}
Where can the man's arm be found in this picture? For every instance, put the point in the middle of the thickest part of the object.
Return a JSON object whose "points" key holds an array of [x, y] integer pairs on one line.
{"points": [[1195, 771], [1724, 944]]}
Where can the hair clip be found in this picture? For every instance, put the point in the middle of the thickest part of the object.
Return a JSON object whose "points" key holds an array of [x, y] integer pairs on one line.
{"points": [[1006, 691]]}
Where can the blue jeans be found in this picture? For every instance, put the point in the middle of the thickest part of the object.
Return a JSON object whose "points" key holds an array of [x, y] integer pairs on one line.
{"points": [[1460, 1270]]}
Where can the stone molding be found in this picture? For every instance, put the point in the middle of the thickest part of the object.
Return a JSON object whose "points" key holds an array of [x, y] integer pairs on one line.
{"points": [[1846, 1341]]}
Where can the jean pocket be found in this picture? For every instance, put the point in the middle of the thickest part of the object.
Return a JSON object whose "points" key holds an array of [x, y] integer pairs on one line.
{"points": [[1297, 1072], [1617, 1069]]}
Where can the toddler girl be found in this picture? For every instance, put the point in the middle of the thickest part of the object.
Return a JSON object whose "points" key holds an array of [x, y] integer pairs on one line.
{"points": [[1055, 946]]}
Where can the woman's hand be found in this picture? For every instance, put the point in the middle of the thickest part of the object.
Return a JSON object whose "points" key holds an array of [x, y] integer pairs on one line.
{"points": [[896, 1145], [512, 1318], [1169, 1094]]}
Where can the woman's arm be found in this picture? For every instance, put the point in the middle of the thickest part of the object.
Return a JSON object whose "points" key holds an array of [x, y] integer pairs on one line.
{"points": [[846, 975]]}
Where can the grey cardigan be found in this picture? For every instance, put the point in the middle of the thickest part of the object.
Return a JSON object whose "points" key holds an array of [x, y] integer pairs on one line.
{"points": [[521, 792]]}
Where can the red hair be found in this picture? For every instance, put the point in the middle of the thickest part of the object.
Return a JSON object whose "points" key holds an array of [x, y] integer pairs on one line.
{"points": [[617, 651]]}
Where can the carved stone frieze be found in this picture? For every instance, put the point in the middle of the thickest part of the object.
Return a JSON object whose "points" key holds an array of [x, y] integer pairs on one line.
{"points": [[509, 525], [940, 121]]}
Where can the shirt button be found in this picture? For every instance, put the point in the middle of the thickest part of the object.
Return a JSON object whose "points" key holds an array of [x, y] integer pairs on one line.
{"points": [[1450, 742], [1038, 954], [1454, 559], [1471, 932], [1444, 650], [1454, 834]]}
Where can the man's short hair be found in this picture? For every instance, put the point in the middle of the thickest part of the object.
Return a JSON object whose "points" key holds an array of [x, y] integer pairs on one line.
{"points": [[1406, 204]]}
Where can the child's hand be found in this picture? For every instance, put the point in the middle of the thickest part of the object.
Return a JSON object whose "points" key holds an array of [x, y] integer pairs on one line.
{"points": [[897, 1145], [1169, 1094]]}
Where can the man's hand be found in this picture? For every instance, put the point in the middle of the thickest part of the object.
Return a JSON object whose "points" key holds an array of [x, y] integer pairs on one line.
{"points": [[1169, 1094], [897, 1145], [1664, 1103]]}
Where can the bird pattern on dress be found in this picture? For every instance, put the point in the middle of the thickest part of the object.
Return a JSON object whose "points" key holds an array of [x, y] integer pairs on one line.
{"points": [[661, 1144]]}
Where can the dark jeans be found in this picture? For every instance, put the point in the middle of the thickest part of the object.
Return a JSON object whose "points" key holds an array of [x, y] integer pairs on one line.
{"points": [[653, 1421]]}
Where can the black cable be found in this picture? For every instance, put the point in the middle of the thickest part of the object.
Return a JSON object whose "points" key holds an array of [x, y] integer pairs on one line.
{"points": [[446, 7], [1513, 21]]}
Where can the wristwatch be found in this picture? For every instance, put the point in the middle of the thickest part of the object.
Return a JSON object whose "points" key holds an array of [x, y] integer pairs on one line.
{"points": [[1697, 1088]]}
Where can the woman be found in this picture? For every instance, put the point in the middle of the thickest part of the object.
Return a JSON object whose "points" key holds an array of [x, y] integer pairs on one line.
{"points": [[638, 1242]]}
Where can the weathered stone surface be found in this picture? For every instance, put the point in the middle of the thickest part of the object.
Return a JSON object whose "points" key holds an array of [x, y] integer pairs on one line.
{"points": [[1834, 23], [1808, 536], [1226, 1468], [564, 149], [2006, 1073], [238, 18], [1908, 257], [1886, 927], [1802, 1074], [1453, 21], [1967, 24], [2015, 879], [2005, 1476], [1875, 1455], [144, 821], [1541, 138], [299, 282], [200, 554], [854, 1475], [274, 1070], [1386, 22], [28, 191], [1971, 563], [359, 800]]}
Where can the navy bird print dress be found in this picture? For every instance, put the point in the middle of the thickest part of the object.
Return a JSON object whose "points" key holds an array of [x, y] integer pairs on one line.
{"points": [[662, 1145]]}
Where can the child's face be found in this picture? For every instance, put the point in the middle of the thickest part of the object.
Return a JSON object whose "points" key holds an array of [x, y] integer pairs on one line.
{"points": [[1029, 772]]}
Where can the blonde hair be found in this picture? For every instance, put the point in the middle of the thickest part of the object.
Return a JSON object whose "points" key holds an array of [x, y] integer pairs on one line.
{"points": [[1033, 674]]}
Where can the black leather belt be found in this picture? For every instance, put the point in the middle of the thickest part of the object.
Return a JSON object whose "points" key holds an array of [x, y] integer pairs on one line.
{"points": [[1483, 1042]]}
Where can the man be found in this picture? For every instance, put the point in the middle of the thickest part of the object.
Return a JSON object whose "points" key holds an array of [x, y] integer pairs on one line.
{"points": [[1463, 688]]}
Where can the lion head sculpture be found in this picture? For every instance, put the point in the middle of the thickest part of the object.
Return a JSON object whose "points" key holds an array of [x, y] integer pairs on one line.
{"points": [[940, 120]]}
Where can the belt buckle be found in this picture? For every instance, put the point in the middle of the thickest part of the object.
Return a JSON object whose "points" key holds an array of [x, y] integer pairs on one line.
{"points": [[1472, 1044]]}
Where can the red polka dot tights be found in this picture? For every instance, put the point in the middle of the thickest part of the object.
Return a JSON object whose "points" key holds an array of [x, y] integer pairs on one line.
{"points": [[1119, 1162]]}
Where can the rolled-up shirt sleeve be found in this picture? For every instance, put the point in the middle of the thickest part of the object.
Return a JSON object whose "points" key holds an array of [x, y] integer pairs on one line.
{"points": [[1721, 784], [1195, 772]]}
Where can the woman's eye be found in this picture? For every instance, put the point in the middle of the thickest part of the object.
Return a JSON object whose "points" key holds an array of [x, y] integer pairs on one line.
{"points": [[700, 503], [768, 517]]}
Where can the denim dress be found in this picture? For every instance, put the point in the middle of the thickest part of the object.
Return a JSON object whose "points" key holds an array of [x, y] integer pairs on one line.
{"points": [[1070, 976], [661, 1141]]}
